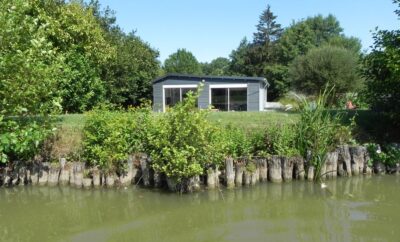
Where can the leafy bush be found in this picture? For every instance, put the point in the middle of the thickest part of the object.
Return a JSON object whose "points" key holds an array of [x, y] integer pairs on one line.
{"points": [[21, 140], [184, 143], [109, 136], [281, 140], [235, 142], [388, 155]]}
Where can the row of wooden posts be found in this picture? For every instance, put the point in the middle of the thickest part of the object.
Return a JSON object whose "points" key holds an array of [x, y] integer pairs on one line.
{"points": [[344, 161]]}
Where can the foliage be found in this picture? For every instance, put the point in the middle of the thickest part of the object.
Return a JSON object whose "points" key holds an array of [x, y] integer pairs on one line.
{"points": [[381, 69], [388, 155], [268, 30], [316, 130], [282, 140], [129, 74], [217, 67], [29, 71], [185, 142], [236, 143], [311, 72], [110, 136], [182, 62]]}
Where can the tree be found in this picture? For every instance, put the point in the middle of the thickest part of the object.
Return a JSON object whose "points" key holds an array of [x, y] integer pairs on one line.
{"points": [[183, 62], [337, 66], [217, 67], [306, 34], [129, 74], [268, 30], [381, 69]]}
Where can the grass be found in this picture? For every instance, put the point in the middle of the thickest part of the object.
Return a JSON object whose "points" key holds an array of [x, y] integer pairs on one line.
{"points": [[69, 127], [371, 126]]}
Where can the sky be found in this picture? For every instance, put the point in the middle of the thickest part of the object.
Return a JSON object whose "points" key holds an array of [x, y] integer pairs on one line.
{"points": [[213, 28]]}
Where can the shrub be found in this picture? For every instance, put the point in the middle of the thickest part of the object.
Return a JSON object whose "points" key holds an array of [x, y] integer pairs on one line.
{"points": [[388, 155], [110, 136], [281, 140], [22, 139], [183, 142]]}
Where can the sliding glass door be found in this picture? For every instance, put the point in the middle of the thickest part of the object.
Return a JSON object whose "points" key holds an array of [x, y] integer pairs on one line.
{"points": [[174, 95], [229, 99]]}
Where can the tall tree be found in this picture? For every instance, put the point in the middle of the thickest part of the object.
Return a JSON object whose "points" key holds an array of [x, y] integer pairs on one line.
{"points": [[268, 30], [183, 62], [382, 71]]}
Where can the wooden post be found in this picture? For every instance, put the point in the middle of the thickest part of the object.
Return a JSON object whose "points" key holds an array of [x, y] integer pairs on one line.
{"points": [[239, 173], [229, 173], [275, 169], [44, 173], [263, 169], [310, 173], [299, 172], [54, 173], [78, 174], [144, 165], [287, 168], [344, 161]]}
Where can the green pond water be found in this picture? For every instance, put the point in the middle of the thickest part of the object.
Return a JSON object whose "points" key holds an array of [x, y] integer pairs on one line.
{"points": [[350, 209]]}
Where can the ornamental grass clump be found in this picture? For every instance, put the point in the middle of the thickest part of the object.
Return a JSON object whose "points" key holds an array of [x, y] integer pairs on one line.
{"points": [[316, 131]]}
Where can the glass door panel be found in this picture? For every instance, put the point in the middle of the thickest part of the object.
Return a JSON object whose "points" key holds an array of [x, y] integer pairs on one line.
{"points": [[219, 98], [237, 99]]}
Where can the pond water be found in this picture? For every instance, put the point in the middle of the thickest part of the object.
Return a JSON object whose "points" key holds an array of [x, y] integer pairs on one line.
{"points": [[350, 209]]}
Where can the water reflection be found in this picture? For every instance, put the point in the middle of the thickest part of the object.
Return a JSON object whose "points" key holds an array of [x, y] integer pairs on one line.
{"points": [[349, 209]]}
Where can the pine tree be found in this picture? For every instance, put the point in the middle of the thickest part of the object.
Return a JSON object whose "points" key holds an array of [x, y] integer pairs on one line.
{"points": [[268, 30]]}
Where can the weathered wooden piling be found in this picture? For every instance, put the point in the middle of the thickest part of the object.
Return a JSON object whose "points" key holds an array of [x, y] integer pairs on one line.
{"points": [[344, 161], [110, 178], [78, 168], [96, 176], [65, 174], [54, 173], [247, 177], [145, 167], [44, 173], [310, 173], [229, 173], [239, 169], [275, 169], [212, 178], [87, 182], [287, 168], [263, 166], [330, 165], [357, 159], [299, 172]]}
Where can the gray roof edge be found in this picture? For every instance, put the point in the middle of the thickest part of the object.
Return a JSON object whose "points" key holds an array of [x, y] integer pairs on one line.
{"points": [[180, 76]]}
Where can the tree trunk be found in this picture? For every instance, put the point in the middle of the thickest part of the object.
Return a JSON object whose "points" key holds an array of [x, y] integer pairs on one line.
{"points": [[275, 169]]}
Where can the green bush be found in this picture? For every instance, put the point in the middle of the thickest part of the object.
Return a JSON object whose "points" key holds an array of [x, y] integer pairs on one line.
{"points": [[281, 139], [110, 136], [22, 139], [388, 155], [183, 142]]}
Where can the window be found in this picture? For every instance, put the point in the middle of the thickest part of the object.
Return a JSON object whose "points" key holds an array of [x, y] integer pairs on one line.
{"points": [[173, 95], [229, 98]]}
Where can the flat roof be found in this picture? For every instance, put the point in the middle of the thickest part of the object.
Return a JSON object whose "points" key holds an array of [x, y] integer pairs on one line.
{"points": [[199, 78]]}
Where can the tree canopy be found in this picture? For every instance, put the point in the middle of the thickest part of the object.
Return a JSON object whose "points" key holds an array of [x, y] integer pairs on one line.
{"points": [[322, 66], [381, 69], [182, 62]]}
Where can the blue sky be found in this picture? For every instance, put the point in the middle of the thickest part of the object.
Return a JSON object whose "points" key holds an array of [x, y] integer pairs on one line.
{"points": [[213, 28]]}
